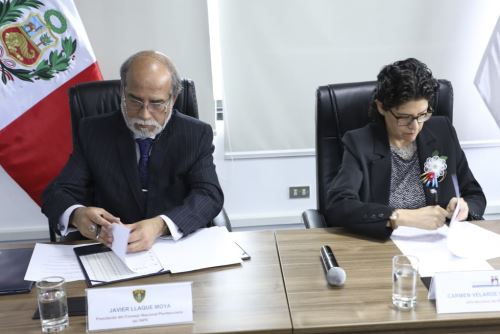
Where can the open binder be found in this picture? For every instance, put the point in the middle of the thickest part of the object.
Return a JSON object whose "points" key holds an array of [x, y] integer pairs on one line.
{"points": [[101, 266], [206, 248]]}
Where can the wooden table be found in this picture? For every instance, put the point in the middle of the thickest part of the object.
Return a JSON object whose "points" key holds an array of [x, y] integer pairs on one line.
{"points": [[247, 298], [364, 304]]}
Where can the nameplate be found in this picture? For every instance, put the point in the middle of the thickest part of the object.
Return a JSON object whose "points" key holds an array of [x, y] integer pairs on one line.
{"points": [[471, 291], [139, 306]]}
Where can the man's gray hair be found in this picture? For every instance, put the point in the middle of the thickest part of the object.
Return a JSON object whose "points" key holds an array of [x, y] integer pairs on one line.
{"points": [[174, 75]]}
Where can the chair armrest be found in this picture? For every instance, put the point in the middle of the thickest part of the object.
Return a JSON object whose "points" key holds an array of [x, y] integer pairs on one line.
{"points": [[313, 219], [222, 219]]}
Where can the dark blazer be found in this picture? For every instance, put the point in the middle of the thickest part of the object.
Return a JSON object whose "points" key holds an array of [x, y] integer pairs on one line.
{"points": [[359, 196], [102, 171]]}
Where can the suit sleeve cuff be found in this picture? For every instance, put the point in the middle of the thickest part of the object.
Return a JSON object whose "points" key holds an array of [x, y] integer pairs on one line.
{"points": [[64, 227], [174, 230]]}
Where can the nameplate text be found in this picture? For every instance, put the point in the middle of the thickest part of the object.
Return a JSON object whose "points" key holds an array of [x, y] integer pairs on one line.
{"points": [[139, 306]]}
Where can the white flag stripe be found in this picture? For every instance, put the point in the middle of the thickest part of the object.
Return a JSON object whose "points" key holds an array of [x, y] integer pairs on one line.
{"points": [[487, 79], [23, 95]]}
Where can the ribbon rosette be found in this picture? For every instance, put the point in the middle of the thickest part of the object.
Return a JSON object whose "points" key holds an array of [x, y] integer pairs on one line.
{"points": [[434, 170]]}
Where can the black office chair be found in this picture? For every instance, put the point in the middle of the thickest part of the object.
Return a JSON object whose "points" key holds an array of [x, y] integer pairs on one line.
{"points": [[341, 108], [99, 97]]}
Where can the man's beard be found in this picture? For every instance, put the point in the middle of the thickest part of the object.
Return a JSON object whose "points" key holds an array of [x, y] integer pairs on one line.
{"points": [[141, 131]]}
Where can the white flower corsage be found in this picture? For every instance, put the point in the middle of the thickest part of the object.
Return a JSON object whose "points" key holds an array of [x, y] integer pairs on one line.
{"points": [[434, 170]]}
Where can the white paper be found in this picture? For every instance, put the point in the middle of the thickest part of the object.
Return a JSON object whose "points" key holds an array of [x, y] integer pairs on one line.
{"points": [[120, 240], [470, 241], [54, 260], [141, 262], [207, 247], [139, 306], [107, 267], [431, 248]]}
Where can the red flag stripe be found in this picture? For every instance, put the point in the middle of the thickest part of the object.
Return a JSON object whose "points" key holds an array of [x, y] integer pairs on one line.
{"points": [[35, 146]]}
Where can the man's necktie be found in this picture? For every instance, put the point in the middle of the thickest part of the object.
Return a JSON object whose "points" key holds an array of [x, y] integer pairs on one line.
{"points": [[144, 147]]}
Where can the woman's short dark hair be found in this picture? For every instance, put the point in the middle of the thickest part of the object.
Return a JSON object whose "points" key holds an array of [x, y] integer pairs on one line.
{"points": [[400, 82]]}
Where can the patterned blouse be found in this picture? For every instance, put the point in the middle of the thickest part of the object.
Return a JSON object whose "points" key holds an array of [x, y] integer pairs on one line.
{"points": [[407, 191]]}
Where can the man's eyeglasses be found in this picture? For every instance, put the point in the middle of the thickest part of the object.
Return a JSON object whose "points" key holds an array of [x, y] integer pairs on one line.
{"points": [[406, 120], [135, 105]]}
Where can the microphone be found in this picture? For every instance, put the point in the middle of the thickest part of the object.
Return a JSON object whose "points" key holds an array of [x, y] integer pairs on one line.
{"points": [[334, 274]]}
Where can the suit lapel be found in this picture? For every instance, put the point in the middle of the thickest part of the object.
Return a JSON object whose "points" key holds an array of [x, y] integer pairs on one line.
{"points": [[381, 165]]}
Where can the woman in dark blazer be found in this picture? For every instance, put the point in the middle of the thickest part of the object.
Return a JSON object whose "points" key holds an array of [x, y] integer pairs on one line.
{"points": [[397, 170]]}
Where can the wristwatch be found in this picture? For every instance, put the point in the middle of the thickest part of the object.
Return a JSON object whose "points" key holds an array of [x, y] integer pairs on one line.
{"points": [[392, 219]]}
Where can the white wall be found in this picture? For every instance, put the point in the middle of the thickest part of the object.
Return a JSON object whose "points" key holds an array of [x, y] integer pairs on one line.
{"points": [[20, 217], [256, 190]]}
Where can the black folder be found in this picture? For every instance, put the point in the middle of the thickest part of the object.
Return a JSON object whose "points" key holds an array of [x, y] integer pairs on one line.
{"points": [[13, 264]]}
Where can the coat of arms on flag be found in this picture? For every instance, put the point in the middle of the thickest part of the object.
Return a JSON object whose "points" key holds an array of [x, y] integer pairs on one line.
{"points": [[44, 50], [26, 43]]}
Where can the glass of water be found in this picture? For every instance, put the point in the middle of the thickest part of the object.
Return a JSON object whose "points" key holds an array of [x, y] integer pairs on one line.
{"points": [[52, 304], [404, 281]]}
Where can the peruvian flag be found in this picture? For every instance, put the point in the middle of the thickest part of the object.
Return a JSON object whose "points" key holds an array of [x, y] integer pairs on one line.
{"points": [[44, 50]]}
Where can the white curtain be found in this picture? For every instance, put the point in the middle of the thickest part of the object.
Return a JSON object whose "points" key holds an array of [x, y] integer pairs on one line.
{"points": [[179, 28], [276, 53]]}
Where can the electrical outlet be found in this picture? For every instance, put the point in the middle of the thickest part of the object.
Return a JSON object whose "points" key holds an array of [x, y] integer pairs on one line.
{"points": [[299, 192]]}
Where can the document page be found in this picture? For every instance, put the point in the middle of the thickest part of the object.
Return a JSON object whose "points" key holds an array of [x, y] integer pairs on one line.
{"points": [[120, 240], [108, 267], [142, 262], [206, 248], [145, 262], [470, 241], [431, 248], [53, 260]]}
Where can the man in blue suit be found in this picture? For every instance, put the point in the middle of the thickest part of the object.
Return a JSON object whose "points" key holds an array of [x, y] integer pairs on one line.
{"points": [[147, 165]]}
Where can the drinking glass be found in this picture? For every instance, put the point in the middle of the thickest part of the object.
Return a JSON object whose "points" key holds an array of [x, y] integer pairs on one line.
{"points": [[404, 281], [52, 304]]}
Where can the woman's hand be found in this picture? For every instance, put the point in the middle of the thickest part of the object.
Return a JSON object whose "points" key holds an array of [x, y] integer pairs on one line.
{"points": [[463, 212], [428, 217]]}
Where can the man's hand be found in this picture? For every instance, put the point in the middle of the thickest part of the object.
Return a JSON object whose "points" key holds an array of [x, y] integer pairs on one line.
{"points": [[428, 217], [144, 233], [94, 223], [463, 212]]}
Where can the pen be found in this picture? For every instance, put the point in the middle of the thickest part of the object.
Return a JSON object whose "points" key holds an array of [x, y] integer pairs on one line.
{"points": [[434, 196]]}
